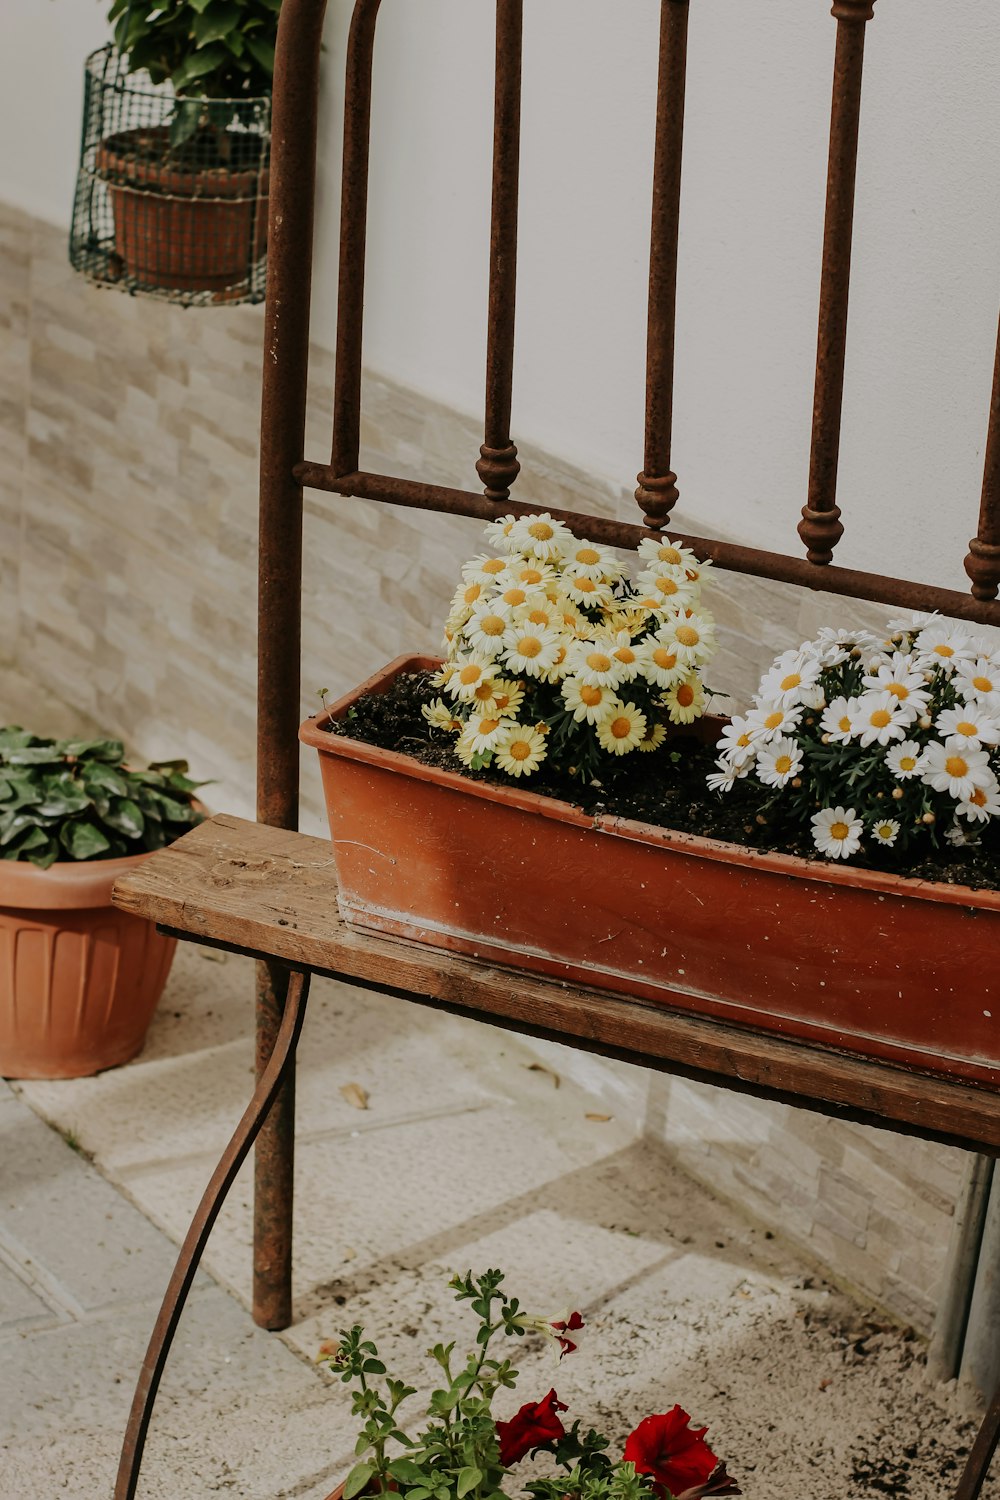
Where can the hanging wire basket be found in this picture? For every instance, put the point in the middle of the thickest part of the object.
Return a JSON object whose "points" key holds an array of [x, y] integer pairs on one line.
{"points": [[171, 193]]}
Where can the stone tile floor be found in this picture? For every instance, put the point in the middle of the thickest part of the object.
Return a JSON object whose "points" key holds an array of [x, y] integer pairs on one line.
{"points": [[467, 1155]]}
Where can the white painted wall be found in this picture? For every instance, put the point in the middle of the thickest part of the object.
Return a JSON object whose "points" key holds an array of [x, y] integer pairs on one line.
{"points": [[927, 278]]}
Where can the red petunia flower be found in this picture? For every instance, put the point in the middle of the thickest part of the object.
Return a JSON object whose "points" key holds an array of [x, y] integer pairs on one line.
{"points": [[672, 1452], [562, 1328], [535, 1426]]}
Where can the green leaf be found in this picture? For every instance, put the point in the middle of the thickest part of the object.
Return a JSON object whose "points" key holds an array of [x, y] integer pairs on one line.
{"points": [[125, 817], [357, 1480], [34, 755], [215, 22], [106, 779], [11, 824], [185, 121], [13, 738], [83, 840], [373, 1367], [468, 1478], [43, 857], [262, 53], [405, 1471], [108, 750], [206, 60]]}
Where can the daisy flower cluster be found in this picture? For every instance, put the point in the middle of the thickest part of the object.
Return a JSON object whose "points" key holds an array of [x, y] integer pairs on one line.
{"points": [[553, 654], [875, 743]]}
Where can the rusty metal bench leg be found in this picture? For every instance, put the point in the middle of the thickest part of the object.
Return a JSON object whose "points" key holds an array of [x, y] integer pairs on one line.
{"points": [[281, 1061], [978, 1465]]}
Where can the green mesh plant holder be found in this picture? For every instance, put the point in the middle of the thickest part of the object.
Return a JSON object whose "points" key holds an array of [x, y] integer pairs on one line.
{"points": [[171, 194]]}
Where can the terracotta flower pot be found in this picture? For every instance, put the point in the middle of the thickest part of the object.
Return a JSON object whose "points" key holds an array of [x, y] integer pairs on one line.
{"points": [[858, 959], [178, 227], [79, 979]]}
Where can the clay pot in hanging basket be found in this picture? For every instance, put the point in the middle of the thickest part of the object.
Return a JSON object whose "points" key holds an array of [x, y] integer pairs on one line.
{"points": [[179, 226], [858, 959], [79, 979]]}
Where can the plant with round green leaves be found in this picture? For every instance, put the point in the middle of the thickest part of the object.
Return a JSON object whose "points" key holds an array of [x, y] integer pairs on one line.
{"points": [[211, 51], [79, 800]]}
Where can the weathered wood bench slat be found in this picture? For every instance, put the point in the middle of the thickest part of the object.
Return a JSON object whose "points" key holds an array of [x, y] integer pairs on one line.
{"points": [[264, 891]]}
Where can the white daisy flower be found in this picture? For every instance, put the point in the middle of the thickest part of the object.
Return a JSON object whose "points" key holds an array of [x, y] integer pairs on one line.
{"points": [[521, 749], [724, 778], [669, 588], [469, 672], [885, 832], [587, 702], [905, 760], [626, 655], [623, 729], [837, 832], [586, 592], [486, 629], [880, 719], [983, 805], [531, 649], [788, 682], [484, 732], [969, 723], [593, 663], [541, 536], [736, 741], [660, 665], [916, 621], [939, 646], [660, 552], [467, 595], [896, 676], [767, 719], [498, 532], [839, 719], [588, 560], [484, 570], [979, 682], [513, 596], [778, 761], [685, 702], [955, 769], [692, 636], [530, 575]]}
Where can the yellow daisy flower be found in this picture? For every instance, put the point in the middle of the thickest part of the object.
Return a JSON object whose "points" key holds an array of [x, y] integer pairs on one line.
{"points": [[469, 672], [440, 716], [653, 738], [623, 729], [685, 702], [587, 702], [520, 751]]}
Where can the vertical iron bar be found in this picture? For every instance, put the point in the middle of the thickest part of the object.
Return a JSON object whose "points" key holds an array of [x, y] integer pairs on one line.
{"points": [[657, 483], [353, 228], [820, 527], [283, 413], [983, 560], [498, 466]]}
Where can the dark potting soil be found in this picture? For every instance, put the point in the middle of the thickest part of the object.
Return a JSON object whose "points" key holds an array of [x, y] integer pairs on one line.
{"points": [[665, 787]]}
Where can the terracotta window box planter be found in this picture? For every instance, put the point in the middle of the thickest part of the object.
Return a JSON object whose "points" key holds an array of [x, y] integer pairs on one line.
{"points": [[860, 960], [79, 979]]}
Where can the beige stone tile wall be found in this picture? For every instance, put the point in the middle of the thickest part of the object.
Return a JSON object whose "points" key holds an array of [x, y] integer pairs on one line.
{"points": [[128, 476]]}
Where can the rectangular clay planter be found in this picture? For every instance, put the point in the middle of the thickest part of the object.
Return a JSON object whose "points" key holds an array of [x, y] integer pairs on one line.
{"points": [[860, 960]]}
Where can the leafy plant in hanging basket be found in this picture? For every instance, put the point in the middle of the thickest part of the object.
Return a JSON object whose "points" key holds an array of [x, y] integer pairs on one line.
{"points": [[186, 92], [463, 1451], [82, 979]]}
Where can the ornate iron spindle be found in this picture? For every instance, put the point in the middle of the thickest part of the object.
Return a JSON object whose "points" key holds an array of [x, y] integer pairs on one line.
{"points": [[820, 527], [353, 229], [657, 492], [983, 560], [498, 466]]}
